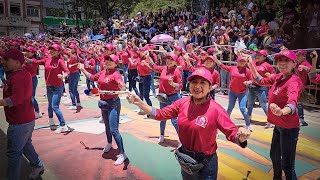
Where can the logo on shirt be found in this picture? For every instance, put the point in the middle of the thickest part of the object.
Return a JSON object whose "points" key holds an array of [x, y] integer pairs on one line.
{"points": [[106, 80], [276, 91], [201, 121]]}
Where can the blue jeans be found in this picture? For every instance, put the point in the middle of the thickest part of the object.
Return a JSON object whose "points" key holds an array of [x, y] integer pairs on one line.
{"points": [[283, 152], [125, 72], [224, 75], [132, 74], [261, 92], [88, 82], [300, 112], [144, 89], [153, 73], [34, 87], [97, 67], [110, 110], [242, 99], [213, 94], [209, 171], [2, 75], [54, 94], [73, 88], [20, 143], [171, 99], [185, 75]]}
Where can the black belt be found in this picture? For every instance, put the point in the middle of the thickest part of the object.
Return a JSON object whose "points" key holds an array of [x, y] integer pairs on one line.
{"points": [[199, 156]]}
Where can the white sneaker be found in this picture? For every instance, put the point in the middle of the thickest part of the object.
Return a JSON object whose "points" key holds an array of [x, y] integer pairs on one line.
{"points": [[72, 108], [36, 172], [268, 125], [120, 160], [51, 122], [62, 129], [161, 138], [38, 115], [107, 148], [101, 120], [249, 128]]}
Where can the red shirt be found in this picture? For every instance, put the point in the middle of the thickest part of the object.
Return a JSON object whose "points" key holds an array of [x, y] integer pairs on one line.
{"points": [[283, 92], [124, 57], [53, 67], [143, 68], [263, 29], [108, 81], [198, 124], [72, 61], [31, 67], [134, 63], [316, 79], [18, 89], [263, 68], [238, 76], [166, 74], [90, 65], [303, 74]]}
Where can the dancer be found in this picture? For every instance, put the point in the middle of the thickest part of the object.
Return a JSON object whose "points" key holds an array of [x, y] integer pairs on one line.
{"points": [[199, 118], [19, 113], [283, 96], [314, 77], [109, 79]]}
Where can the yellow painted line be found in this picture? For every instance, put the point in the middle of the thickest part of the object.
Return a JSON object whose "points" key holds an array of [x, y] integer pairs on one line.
{"points": [[226, 172]]}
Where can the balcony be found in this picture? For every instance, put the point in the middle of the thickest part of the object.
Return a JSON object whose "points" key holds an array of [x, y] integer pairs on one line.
{"points": [[15, 22]]}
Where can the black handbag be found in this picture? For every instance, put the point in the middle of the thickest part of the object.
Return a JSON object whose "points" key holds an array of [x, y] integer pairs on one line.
{"points": [[189, 164]]}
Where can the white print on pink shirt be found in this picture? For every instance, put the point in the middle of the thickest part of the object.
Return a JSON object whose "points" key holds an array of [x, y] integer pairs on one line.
{"points": [[201, 121], [276, 91], [106, 80]]}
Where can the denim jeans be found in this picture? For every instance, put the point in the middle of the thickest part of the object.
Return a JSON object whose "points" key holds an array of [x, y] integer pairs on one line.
{"points": [[34, 87], [2, 75], [73, 88], [125, 72], [283, 152], [144, 89], [242, 99], [153, 73], [132, 74], [224, 76], [20, 143], [185, 75], [171, 99], [111, 115], [88, 82], [300, 112], [213, 94], [261, 92], [54, 94], [209, 171]]}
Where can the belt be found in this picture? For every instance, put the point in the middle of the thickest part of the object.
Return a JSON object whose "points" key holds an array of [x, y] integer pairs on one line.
{"points": [[199, 156], [112, 99]]}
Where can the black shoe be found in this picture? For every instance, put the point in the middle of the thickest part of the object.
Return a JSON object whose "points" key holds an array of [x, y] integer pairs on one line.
{"points": [[304, 123]]}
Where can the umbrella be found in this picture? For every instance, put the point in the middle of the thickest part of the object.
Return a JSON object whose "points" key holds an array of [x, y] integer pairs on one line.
{"points": [[161, 38], [98, 37]]}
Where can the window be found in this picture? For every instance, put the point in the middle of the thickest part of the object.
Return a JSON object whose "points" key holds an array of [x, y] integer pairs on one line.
{"points": [[1, 8], [15, 9], [32, 11]]}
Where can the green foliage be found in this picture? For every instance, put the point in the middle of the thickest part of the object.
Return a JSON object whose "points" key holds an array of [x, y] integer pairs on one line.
{"points": [[146, 6]]}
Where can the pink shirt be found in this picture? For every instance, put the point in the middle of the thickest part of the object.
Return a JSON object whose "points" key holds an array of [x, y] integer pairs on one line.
{"points": [[108, 81], [53, 67], [283, 92], [143, 68], [303, 74], [31, 67], [263, 68], [90, 65], [124, 56], [315, 79], [134, 63], [72, 60], [238, 76], [198, 124], [166, 74]]}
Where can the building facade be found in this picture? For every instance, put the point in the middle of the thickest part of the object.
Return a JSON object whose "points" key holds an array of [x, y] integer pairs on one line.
{"points": [[18, 17]]}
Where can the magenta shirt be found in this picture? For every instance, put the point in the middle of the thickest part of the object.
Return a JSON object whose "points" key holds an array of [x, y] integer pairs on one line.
{"points": [[303, 74], [238, 76], [263, 68], [31, 67], [174, 74], [283, 92], [198, 123]]}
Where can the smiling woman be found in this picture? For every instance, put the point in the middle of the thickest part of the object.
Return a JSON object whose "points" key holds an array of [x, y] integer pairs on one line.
{"points": [[199, 118], [283, 96]]}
